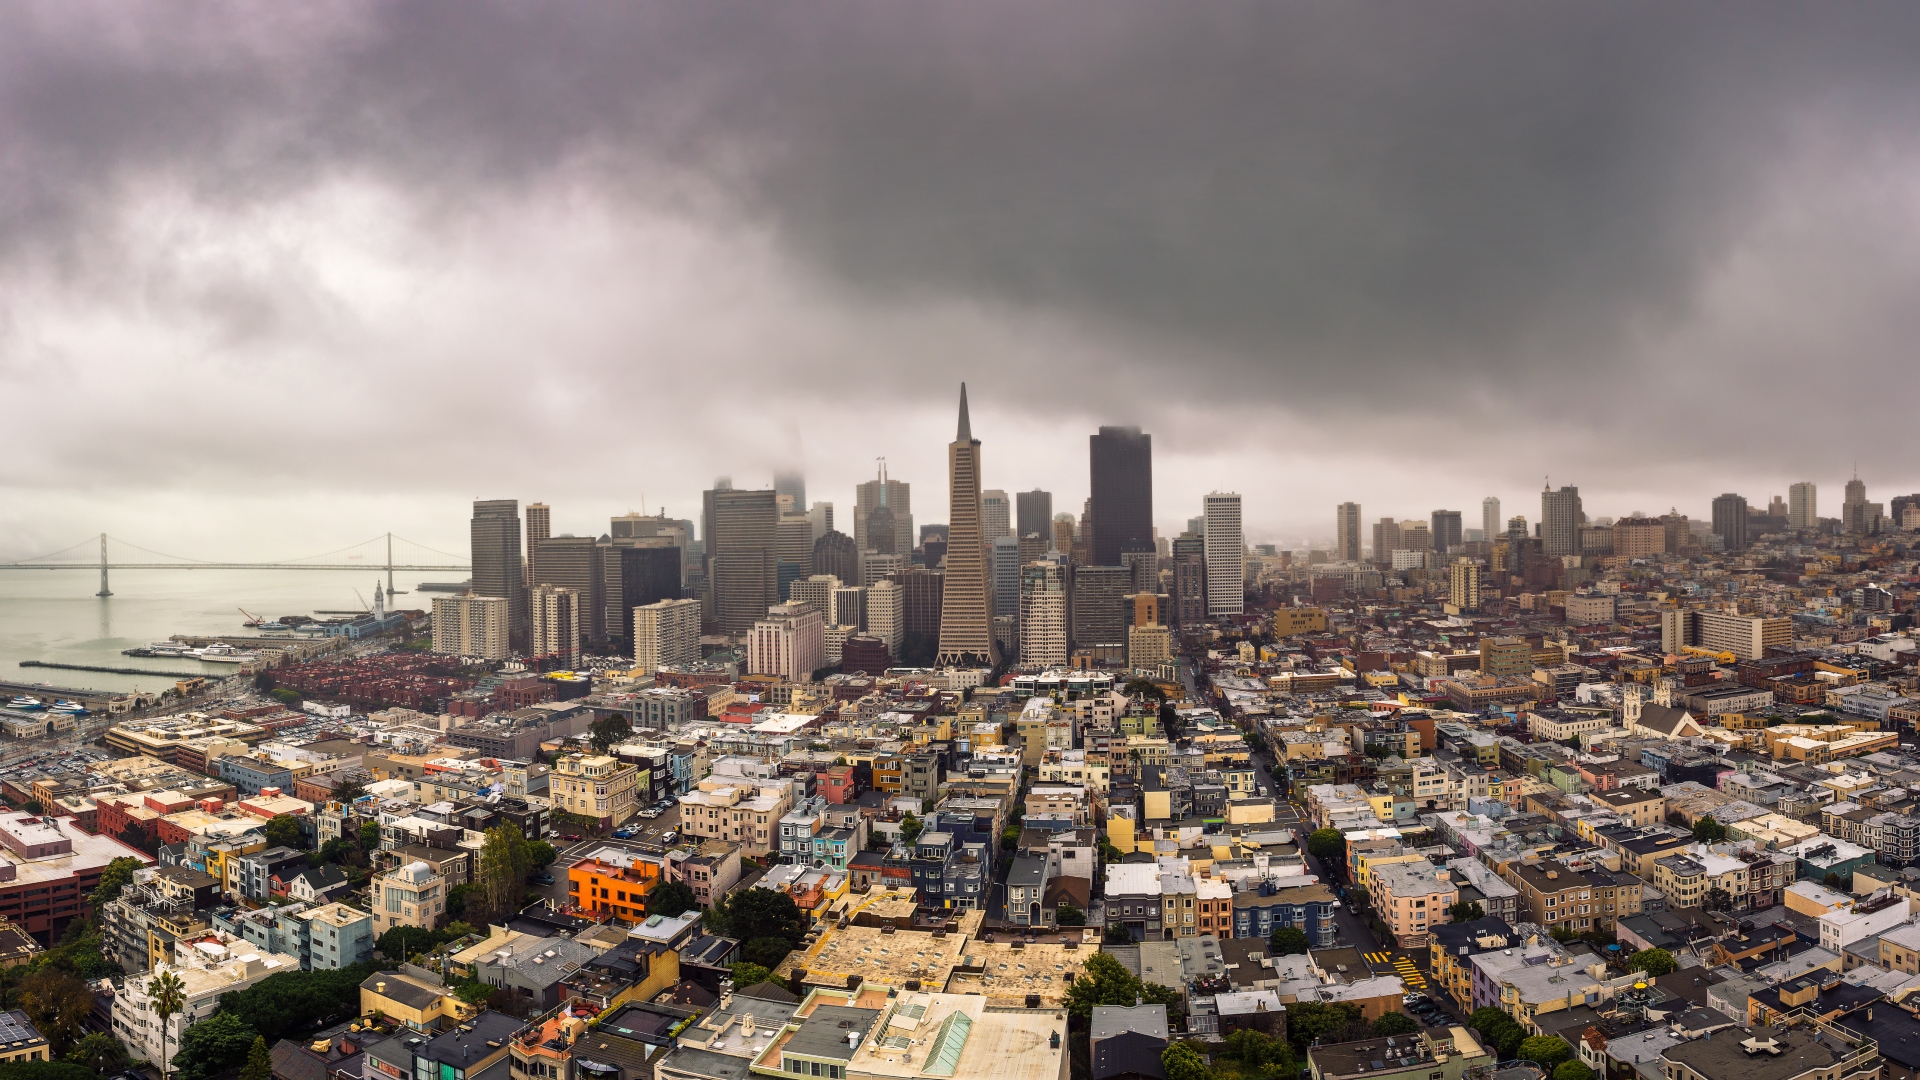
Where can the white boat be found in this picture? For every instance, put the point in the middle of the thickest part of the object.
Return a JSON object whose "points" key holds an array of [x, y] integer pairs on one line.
{"points": [[24, 702], [169, 648], [222, 653], [69, 707]]}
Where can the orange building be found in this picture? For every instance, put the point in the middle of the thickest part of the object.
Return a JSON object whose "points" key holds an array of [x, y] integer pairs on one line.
{"points": [[612, 889]]}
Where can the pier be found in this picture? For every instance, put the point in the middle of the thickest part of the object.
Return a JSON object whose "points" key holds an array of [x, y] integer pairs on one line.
{"points": [[120, 670]]}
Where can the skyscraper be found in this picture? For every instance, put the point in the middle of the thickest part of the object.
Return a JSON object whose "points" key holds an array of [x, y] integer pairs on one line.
{"points": [[1858, 517], [666, 633], [1121, 464], [1803, 505], [1560, 521], [1490, 518], [556, 625], [1446, 530], [1730, 521], [1189, 581], [574, 563], [897, 496], [470, 626], [634, 573], [497, 568], [966, 606], [821, 518], [1034, 513], [1346, 532], [1043, 615], [836, 554], [539, 527], [996, 515], [1005, 553], [1062, 534], [1463, 587], [794, 486], [744, 578], [1100, 611], [1226, 550]]}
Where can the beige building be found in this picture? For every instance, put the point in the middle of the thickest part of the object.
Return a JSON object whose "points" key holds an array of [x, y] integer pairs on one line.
{"points": [[410, 895], [966, 603], [736, 810], [556, 623], [471, 626], [666, 633], [1149, 646], [1043, 615], [594, 786]]}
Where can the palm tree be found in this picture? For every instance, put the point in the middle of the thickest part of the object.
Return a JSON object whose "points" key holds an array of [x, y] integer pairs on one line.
{"points": [[168, 995]]}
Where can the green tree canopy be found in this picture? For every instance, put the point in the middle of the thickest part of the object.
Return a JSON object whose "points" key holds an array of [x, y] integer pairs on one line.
{"points": [[283, 830], [214, 1045], [1288, 941], [58, 1004], [746, 973], [1325, 1021], [1328, 845], [766, 951], [1572, 1070], [1708, 831], [1497, 1029], [403, 942], [1068, 915], [1655, 962], [505, 861], [369, 836], [117, 876], [1395, 1024], [605, 733], [763, 913], [910, 827], [1106, 981], [670, 899], [541, 854], [1256, 1051], [1547, 1051], [291, 1002], [1182, 1062], [1466, 911], [259, 1062], [99, 1052]]}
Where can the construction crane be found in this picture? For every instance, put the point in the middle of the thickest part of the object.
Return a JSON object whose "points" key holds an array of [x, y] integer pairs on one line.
{"points": [[252, 619]]}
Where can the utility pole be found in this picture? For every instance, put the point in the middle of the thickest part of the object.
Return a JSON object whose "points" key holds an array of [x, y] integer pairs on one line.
{"points": [[104, 591]]}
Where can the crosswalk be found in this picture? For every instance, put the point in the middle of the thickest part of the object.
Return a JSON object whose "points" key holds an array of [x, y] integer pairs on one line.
{"points": [[1379, 958], [1402, 966]]}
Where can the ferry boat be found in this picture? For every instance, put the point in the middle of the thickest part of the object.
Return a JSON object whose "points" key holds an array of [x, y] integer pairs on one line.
{"points": [[169, 648], [71, 708], [24, 702], [222, 653]]}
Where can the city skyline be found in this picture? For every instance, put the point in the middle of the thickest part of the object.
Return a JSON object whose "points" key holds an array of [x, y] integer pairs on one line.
{"points": [[231, 244]]}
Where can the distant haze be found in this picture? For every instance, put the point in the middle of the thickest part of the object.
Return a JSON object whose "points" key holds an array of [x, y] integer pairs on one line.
{"points": [[276, 278]]}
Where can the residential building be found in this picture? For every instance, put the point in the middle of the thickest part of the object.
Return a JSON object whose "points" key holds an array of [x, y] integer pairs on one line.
{"points": [[788, 642], [475, 626], [595, 786], [1560, 518], [1346, 527], [1043, 615], [410, 895], [666, 633], [208, 965], [555, 632], [1411, 897]]}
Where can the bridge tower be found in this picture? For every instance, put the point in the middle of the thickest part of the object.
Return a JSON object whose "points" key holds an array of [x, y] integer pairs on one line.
{"points": [[104, 591]]}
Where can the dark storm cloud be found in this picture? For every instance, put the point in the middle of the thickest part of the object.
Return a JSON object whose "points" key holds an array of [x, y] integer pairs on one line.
{"points": [[1492, 212]]}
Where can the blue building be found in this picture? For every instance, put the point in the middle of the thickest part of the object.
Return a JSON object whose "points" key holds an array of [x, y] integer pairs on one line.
{"points": [[324, 938], [249, 774], [1259, 912]]}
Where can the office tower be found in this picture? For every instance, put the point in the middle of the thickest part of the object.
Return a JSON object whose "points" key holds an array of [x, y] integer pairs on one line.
{"points": [[794, 486], [836, 554], [996, 515], [1226, 555], [1415, 537], [836, 639], [882, 534], [1858, 517], [1005, 556], [1043, 615], [1121, 464], [634, 573], [1062, 534], [887, 614], [720, 484], [1777, 507], [677, 531], [875, 566], [666, 633], [788, 642], [744, 576], [966, 609], [1148, 647], [1083, 535], [1490, 518], [1143, 570], [1346, 532], [1197, 526], [574, 563], [1730, 521], [1033, 546], [1190, 581], [1639, 537], [897, 497], [1446, 530], [933, 534], [556, 625], [816, 592], [821, 518], [923, 588], [539, 527], [793, 544], [1147, 609], [497, 569], [473, 626], [1386, 539], [1747, 637], [850, 606], [1034, 512], [1803, 506], [1463, 587], [1517, 527], [1560, 521], [1100, 608]]}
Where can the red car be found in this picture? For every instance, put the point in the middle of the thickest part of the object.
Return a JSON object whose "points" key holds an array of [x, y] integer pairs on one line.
{"points": [[569, 836]]}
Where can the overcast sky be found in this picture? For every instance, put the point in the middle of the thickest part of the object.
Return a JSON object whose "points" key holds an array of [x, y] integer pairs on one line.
{"points": [[276, 276]]}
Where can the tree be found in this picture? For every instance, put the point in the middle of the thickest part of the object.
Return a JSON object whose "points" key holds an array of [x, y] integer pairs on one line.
{"points": [[1311, 1021], [1573, 1070], [1395, 1024], [100, 1052], [283, 830], [1260, 1053], [1545, 1051], [1116, 934], [1708, 831], [1466, 911], [58, 1004], [1143, 688], [117, 876], [403, 942], [747, 974], [292, 1002], [1106, 981], [1288, 941], [259, 1061], [673, 898], [1328, 845], [505, 860], [214, 1045], [910, 828], [1717, 899], [1068, 915], [348, 792], [541, 854], [763, 913], [369, 836], [604, 733], [1182, 1062], [766, 951], [1010, 837], [1655, 962], [167, 995], [33, 806], [1497, 1030]]}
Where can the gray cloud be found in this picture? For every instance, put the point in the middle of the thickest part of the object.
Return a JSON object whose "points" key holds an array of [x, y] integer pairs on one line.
{"points": [[1396, 252]]}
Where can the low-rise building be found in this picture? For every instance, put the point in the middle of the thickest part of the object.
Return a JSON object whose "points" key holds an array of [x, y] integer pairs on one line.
{"points": [[410, 895]]}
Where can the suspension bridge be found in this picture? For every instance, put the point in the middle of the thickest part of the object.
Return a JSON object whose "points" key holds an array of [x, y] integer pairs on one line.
{"points": [[378, 553]]}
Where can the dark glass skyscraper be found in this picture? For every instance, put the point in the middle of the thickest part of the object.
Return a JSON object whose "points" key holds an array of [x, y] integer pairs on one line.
{"points": [[745, 572], [1033, 513], [1730, 520], [1121, 460], [1446, 530], [497, 570]]}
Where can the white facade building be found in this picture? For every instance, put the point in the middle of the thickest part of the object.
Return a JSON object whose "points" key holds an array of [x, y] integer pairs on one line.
{"points": [[666, 633], [471, 626], [1226, 548], [790, 642]]}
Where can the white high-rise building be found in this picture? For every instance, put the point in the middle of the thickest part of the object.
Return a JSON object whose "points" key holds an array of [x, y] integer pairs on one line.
{"points": [[1490, 523], [887, 614], [996, 515], [556, 623], [850, 607], [791, 643], [874, 566], [665, 634], [1043, 615], [816, 592], [1226, 550], [471, 626], [1803, 505]]}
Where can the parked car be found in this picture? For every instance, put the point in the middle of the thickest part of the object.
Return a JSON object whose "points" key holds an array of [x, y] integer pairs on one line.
{"points": [[543, 879]]}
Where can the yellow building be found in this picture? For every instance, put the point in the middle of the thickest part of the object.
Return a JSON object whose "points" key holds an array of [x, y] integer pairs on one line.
{"points": [[1292, 621], [594, 786], [418, 1004]]}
